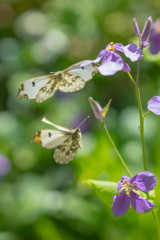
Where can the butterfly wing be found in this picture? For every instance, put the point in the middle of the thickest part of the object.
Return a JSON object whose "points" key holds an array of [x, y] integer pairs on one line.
{"points": [[86, 72], [75, 77], [70, 80], [67, 151], [49, 138], [65, 140], [63, 129], [40, 88]]}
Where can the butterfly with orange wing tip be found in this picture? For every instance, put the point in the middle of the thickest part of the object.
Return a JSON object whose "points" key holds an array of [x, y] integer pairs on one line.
{"points": [[65, 140], [71, 79]]}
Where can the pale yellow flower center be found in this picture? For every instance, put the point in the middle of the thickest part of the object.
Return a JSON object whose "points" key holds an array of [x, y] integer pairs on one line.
{"points": [[127, 186], [111, 47]]}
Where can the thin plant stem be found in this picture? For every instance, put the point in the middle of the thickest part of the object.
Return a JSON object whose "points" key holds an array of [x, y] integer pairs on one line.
{"points": [[131, 78], [141, 127], [155, 219], [115, 148], [141, 116]]}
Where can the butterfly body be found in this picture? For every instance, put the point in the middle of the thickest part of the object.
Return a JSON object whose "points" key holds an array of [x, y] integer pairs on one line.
{"points": [[71, 79], [65, 141]]}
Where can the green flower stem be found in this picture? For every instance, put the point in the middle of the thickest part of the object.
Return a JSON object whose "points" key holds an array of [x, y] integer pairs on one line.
{"points": [[146, 113], [141, 127], [141, 116], [131, 78], [155, 219], [115, 148]]}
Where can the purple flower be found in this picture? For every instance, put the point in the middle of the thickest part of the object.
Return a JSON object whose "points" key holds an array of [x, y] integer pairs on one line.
{"points": [[128, 187], [155, 37], [154, 105], [144, 37], [5, 165], [112, 62]]}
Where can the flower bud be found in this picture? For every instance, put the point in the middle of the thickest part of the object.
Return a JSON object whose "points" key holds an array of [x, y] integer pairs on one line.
{"points": [[136, 27], [96, 108], [146, 32], [99, 112]]}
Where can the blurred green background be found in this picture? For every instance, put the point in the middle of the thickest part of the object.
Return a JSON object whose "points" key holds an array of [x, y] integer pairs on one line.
{"points": [[39, 199]]}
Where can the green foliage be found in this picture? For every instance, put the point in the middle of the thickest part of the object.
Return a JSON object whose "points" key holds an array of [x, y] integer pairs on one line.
{"points": [[104, 189]]}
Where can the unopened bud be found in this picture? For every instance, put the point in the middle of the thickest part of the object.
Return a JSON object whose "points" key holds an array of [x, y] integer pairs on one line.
{"points": [[136, 27], [98, 111], [96, 108], [146, 32]]}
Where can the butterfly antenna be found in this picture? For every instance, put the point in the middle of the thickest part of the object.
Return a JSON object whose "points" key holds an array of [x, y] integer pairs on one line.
{"points": [[83, 121]]}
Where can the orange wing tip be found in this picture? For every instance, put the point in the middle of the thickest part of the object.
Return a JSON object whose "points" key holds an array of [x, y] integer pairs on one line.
{"points": [[37, 137]]}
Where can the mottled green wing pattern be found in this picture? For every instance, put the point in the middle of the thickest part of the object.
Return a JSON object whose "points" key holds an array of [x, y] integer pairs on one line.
{"points": [[67, 151], [75, 77], [40, 88]]}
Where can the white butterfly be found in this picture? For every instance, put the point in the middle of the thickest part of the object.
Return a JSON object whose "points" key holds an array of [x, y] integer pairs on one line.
{"points": [[69, 80], [65, 140]]}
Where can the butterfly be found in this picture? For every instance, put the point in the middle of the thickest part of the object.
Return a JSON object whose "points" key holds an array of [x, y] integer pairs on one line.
{"points": [[71, 79], [65, 141]]}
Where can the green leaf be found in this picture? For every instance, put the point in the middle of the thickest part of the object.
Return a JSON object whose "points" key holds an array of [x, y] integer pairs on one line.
{"points": [[104, 189]]}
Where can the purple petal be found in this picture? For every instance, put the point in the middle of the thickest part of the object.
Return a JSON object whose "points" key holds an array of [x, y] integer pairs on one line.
{"points": [[126, 67], [86, 62], [155, 37], [5, 165], [154, 105], [103, 53], [144, 181], [131, 51], [154, 42], [144, 43], [140, 204], [121, 204], [111, 64]]}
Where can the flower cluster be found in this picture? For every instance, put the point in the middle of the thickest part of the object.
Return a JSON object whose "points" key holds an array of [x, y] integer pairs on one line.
{"points": [[130, 190]]}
